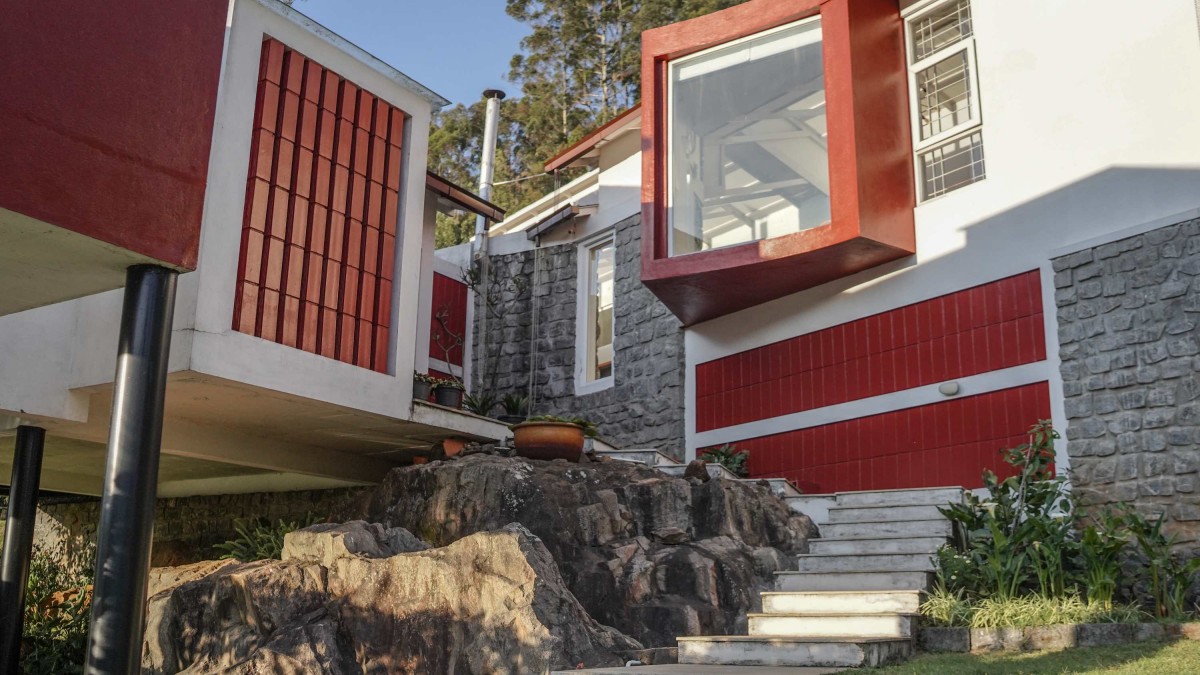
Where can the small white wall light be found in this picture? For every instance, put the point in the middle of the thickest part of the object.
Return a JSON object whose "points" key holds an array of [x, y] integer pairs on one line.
{"points": [[948, 388]]}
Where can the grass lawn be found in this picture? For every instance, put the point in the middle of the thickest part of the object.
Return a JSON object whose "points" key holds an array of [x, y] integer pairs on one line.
{"points": [[1146, 658]]}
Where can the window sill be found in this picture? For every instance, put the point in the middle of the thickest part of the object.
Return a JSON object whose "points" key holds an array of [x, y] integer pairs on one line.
{"points": [[595, 386]]}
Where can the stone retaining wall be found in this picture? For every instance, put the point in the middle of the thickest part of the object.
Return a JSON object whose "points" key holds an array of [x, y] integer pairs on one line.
{"points": [[1129, 335], [185, 528]]}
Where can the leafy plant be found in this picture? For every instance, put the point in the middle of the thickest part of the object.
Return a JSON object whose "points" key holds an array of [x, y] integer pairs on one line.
{"points": [[57, 608], [729, 457], [1170, 576], [589, 427], [448, 383], [480, 404], [514, 404], [946, 608], [424, 377], [259, 540], [1100, 547]]}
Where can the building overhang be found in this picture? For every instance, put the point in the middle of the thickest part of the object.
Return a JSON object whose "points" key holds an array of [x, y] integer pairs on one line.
{"points": [[586, 151], [452, 197], [871, 190]]}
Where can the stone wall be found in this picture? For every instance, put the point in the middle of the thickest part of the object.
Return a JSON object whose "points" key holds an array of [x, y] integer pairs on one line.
{"points": [[185, 528], [644, 408], [1128, 316]]}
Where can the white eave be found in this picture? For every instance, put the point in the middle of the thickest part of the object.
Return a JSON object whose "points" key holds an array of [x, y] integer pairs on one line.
{"points": [[573, 192]]}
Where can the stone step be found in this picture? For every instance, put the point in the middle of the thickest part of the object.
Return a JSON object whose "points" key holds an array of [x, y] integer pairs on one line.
{"points": [[867, 562], [865, 545], [869, 580], [816, 507], [780, 486], [842, 602], [832, 625], [871, 514], [938, 527], [714, 470], [766, 650], [647, 456], [938, 496]]}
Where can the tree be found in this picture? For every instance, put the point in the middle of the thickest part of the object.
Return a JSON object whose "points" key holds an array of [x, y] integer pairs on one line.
{"points": [[579, 67]]}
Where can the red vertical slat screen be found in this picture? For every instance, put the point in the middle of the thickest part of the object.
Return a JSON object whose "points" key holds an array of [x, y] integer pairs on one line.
{"points": [[319, 231], [977, 330], [947, 443]]}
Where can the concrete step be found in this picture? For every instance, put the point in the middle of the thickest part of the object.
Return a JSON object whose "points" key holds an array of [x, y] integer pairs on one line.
{"points": [[872, 580], [780, 486], [871, 514], [832, 625], [939, 527], [816, 507], [842, 602], [714, 470], [647, 456], [863, 545], [938, 496], [868, 562], [766, 650]]}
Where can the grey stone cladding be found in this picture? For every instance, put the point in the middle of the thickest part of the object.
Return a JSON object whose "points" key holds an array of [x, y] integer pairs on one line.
{"points": [[1129, 336], [644, 407]]}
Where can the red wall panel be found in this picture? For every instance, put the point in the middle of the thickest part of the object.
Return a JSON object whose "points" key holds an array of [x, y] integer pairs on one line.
{"points": [[106, 117], [947, 443], [446, 336], [319, 234], [989, 327]]}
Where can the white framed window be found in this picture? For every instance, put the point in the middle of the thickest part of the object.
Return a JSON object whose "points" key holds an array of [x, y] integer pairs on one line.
{"points": [[594, 355], [944, 93], [746, 140]]}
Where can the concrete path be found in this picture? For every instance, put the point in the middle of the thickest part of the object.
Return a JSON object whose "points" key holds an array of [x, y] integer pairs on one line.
{"points": [[682, 669]]}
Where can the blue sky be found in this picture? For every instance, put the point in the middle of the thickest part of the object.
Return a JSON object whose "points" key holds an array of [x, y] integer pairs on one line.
{"points": [[457, 48]]}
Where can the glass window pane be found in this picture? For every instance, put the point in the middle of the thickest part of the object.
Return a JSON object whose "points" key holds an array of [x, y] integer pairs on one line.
{"points": [[601, 269], [952, 165], [944, 95], [747, 145], [940, 28]]}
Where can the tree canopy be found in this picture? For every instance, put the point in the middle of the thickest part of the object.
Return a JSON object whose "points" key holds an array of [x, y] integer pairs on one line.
{"points": [[579, 67]]}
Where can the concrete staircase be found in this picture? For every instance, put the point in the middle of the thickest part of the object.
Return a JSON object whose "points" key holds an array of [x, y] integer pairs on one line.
{"points": [[854, 599]]}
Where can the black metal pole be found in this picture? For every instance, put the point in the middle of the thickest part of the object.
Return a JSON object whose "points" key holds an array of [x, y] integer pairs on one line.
{"points": [[18, 542], [131, 475]]}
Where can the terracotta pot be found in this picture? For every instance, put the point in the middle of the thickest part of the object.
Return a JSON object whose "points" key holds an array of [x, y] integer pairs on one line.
{"points": [[549, 440], [451, 397]]}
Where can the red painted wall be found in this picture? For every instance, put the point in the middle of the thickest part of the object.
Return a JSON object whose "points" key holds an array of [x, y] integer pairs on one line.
{"points": [[988, 327], [449, 300], [319, 234], [106, 115], [946, 443]]}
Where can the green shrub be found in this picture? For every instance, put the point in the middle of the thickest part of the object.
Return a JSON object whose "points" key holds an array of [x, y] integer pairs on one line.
{"points": [[57, 608], [944, 608], [259, 540], [1170, 576], [729, 457], [480, 404]]}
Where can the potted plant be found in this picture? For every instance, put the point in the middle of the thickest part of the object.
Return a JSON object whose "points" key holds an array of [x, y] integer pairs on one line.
{"points": [[729, 457], [550, 437], [448, 393], [422, 386], [516, 409], [481, 404]]}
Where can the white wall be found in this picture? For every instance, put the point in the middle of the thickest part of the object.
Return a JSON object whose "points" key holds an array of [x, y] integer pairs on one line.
{"points": [[1090, 128], [55, 350]]}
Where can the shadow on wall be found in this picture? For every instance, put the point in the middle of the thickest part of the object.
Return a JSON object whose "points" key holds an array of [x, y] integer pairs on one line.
{"points": [[1017, 239]]}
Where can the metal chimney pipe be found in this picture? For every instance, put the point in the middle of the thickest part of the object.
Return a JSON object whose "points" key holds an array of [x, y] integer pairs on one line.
{"points": [[487, 164]]}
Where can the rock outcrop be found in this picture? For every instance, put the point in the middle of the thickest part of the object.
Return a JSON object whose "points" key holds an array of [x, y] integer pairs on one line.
{"points": [[345, 600], [653, 556]]}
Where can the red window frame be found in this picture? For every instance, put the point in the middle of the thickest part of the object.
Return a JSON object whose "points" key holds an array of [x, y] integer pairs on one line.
{"points": [[872, 193]]}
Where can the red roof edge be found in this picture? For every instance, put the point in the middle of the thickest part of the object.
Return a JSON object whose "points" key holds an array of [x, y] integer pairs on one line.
{"points": [[463, 197], [585, 144]]}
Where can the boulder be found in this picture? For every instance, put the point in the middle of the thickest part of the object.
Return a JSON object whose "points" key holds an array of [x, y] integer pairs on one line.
{"points": [[492, 602], [327, 543], [654, 556]]}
